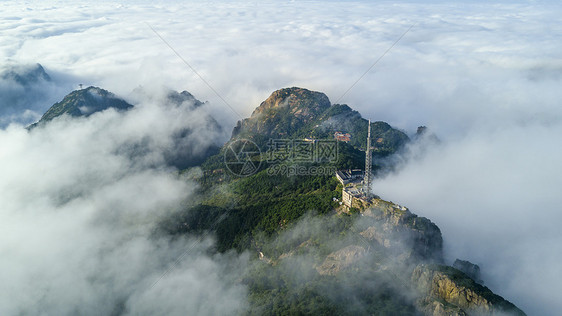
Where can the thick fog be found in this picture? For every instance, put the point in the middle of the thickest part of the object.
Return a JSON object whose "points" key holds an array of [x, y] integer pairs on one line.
{"points": [[495, 194], [81, 198], [483, 75]]}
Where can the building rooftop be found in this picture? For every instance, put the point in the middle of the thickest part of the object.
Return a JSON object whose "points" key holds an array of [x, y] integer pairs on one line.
{"points": [[349, 176]]}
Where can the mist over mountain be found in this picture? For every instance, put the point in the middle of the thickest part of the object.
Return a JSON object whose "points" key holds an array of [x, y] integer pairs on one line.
{"points": [[83, 102], [483, 76], [262, 225], [81, 195], [314, 255], [23, 89], [26, 75]]}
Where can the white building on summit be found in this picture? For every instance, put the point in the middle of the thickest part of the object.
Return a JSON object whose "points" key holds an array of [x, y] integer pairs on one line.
{"points": [[347, 176], [356, 183]]}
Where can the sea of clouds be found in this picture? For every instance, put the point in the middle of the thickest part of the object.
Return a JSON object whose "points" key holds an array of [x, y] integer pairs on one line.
{"points": [[483, 75], [80, 203]]}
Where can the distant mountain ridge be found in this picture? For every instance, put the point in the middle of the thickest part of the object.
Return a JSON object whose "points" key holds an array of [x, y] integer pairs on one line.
{"points": [[182, 155], [25, 75], [23, 90], [84, 102]]}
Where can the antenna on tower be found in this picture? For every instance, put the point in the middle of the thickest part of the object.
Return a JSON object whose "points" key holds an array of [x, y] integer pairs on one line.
{"points": [[368, 163]]}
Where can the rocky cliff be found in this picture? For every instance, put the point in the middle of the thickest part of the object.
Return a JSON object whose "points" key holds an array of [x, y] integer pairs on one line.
{"points": [[284, 112], [396, 228], [297, 113], [445, 290]]}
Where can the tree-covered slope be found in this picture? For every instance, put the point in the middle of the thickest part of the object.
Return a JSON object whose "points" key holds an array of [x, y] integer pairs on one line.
{"points": [[311, 255], [84, 102]]}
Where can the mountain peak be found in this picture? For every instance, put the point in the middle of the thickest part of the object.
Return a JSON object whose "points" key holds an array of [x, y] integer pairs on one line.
{"points": [[300, 101], [178, 98], [298, 113], [84, 102], [25, 74], [284, 112]]}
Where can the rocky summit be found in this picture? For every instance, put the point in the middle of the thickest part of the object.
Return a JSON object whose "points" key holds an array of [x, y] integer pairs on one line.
{"points": [[301, 113], [284, 112]]}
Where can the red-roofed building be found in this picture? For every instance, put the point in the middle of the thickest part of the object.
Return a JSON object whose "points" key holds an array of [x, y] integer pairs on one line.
{"points": [[342, 137]]}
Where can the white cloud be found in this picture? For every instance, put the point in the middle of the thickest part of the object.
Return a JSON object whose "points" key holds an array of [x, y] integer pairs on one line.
{"points": [[26, 93], [483, 75], [79, 208], [495, 196]]}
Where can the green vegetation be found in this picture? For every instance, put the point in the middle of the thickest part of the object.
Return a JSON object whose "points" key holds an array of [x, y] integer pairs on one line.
{"points": [[296, 113], [84, 103], [308, 257], [255, 213], [295, 288], [264, 204]]}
